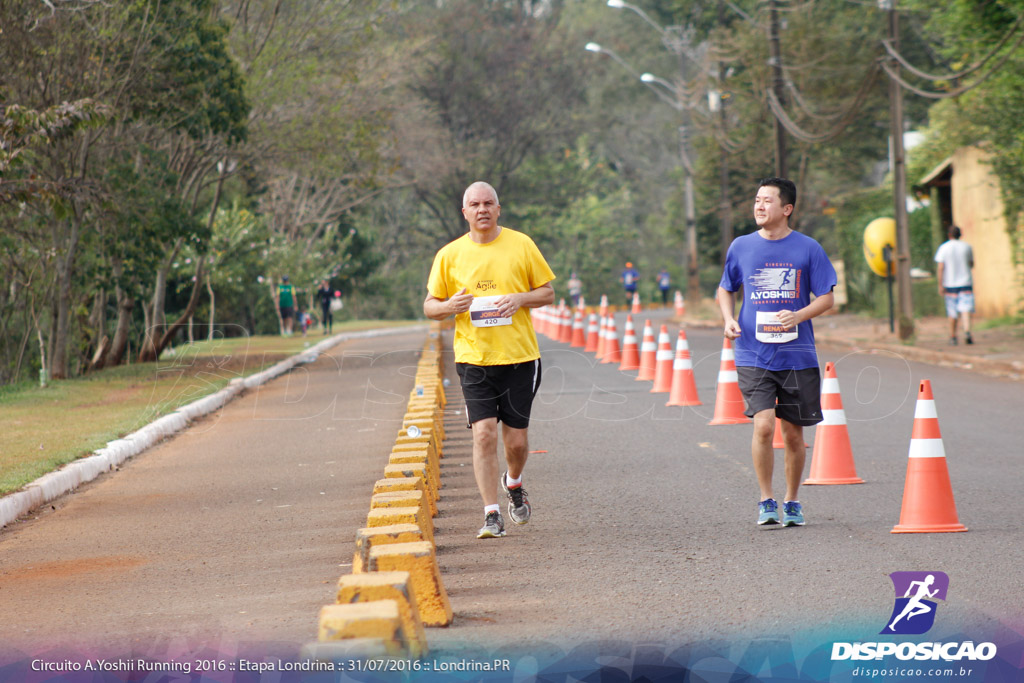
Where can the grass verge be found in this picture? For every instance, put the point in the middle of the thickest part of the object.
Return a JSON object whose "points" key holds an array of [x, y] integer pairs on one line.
{"points": [[44, 428]]}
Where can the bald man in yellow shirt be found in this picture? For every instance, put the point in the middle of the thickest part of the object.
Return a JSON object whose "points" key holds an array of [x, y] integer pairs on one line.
{"points": [[488, 279]]}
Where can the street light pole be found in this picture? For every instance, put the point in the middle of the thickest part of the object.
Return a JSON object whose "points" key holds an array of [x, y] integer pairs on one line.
{"points": [[678, 44]]}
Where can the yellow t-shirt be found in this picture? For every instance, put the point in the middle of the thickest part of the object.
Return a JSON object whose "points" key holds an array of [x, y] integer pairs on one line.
{"points": [[509, 264]]}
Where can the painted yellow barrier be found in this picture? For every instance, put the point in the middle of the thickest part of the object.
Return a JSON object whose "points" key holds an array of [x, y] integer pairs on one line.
{"points": [[420, 561], [397, 586], [375, 620]]}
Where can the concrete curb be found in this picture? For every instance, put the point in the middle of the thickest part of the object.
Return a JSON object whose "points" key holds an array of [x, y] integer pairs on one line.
{"points": [[74, 474]]}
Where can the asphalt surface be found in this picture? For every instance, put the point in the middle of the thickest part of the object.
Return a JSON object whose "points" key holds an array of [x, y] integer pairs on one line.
{"points": [[644, 516], [227, 539]]}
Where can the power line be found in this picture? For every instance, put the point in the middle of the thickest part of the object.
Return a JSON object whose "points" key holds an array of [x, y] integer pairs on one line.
{"points": [[956, 92], [780, 113], [960, 74]]}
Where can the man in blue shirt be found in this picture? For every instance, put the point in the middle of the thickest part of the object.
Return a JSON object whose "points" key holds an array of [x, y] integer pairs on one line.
{"points": [[664, 282], [630, 277], [776, 362]]}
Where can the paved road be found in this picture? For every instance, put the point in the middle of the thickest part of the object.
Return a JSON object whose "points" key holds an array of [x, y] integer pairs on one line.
{"points": [[228, 539], [643, 528]]}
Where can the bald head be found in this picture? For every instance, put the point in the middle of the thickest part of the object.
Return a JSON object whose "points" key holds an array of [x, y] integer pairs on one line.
{"points": [[476, 189]]}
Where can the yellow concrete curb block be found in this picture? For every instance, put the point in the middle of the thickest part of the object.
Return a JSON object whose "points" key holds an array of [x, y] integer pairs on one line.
{"points": [[423, 422], [420, 561], [379, 620], [412, 469], [406, 515], [402, 499], [422, 455], [406, 484], [397, 586], [426, 437], [368, 537]]}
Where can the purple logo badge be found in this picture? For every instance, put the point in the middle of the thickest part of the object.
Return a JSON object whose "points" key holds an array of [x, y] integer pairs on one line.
{"points": [[916, 592]]}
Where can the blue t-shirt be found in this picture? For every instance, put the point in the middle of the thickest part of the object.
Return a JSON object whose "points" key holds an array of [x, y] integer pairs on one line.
{"points": [[629, 278], [776, 275], [664, 280]]}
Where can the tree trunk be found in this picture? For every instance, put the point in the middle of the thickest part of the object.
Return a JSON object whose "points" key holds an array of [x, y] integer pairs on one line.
{"points": [[125, 306], [65, 270], [151, 353], [213, 308], [156, 317]]}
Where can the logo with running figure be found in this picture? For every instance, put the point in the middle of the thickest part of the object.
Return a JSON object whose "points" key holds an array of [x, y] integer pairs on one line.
{"points": [[916, 592], [775, 281]]}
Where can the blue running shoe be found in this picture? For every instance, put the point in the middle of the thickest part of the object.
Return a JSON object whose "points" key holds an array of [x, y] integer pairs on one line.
{"points": [[769, 512], [792, 513]]}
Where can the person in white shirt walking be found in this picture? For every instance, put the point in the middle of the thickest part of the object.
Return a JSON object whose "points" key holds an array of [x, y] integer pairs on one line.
{"points": [[955, 259]]}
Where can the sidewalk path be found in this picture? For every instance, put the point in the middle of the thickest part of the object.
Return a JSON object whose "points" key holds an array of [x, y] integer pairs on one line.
{"points": [[998, 351]]}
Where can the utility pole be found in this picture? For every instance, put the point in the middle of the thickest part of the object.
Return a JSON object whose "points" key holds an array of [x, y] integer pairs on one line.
{"points": [[899, 175], [683, 49], [778, 85], [692, 271], [724, 205]]}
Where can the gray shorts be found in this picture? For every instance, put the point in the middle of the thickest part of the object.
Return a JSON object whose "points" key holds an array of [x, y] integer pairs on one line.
{"points": [[797, 393]]}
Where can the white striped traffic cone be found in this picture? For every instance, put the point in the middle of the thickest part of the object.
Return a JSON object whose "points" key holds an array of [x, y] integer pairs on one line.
{"points": [[728, 397], [832, 458], [663, 363], [928, 504], [684, 384]]}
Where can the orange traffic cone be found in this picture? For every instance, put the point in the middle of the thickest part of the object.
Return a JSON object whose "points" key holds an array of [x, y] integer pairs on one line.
{"points": [[604, 305], [680, 304], [928, 504], [612, 352], [648, 354], [592, 336], [663, 364], [602, 336], [728, 398], [636, 303], [543, 321], [684, 385], [565, 330], [630, 350], [832, 458], [579, 338]]}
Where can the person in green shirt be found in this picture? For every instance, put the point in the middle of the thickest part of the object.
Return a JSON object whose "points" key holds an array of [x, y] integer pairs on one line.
{"points": [[286, 302]]}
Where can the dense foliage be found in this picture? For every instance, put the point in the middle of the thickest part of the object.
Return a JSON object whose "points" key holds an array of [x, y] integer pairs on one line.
{"points": [[164, 164]]}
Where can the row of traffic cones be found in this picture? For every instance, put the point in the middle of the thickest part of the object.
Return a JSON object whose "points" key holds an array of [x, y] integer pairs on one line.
{"points": [[561, 322], [928, 504]]}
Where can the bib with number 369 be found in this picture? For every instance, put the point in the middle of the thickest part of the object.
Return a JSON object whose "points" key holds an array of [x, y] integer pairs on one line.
{"points": [[771, 331]]}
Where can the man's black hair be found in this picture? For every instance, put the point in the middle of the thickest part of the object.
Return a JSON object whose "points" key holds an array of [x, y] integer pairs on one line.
{"points": [[954, 232], [787, 189]]}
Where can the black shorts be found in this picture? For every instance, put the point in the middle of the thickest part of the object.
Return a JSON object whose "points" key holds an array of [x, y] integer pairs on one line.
{"points": [[502, 391], [287, 312], [798, 393]]}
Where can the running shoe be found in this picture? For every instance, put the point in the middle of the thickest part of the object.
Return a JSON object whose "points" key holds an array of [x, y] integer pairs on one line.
{"points": [[768, 512], [792, 513], [493, 526], [518, 502], [968, 338]]}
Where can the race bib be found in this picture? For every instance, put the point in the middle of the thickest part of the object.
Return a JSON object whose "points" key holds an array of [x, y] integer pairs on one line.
{"points": [[770, 330], [483, 312]]}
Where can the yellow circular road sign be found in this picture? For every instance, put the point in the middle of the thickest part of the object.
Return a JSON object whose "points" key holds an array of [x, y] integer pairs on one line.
{"points": [[879, 233]]}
